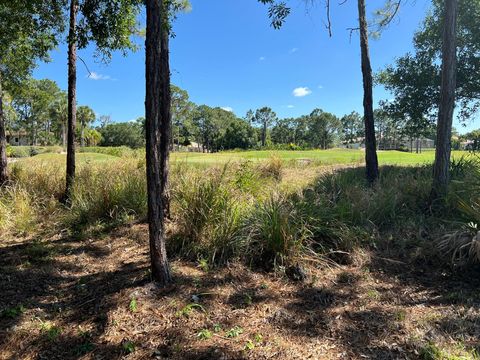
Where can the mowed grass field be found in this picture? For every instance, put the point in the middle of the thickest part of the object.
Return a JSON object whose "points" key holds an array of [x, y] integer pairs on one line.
{"points": [[326, 157], [319, 157]]}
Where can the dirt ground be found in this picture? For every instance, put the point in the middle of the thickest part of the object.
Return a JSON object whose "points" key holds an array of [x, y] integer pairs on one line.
{"points": [[91, 299]]}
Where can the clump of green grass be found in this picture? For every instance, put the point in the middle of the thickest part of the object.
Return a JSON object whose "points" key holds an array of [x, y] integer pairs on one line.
{"points": [[109, 193], [275, 231], [18, 211], [208, 215], [431, 351]]}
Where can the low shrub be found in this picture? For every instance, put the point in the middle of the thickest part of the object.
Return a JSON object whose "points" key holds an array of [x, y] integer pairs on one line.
{"points": [[18, 151], [119, 151], [27, 151]]}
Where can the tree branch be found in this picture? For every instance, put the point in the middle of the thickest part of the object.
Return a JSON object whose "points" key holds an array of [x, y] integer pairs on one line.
{"points": [[86, 67]]}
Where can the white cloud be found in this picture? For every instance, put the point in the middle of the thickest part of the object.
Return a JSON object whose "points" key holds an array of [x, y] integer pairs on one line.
{"points": [[320, 86], [227, 108], [301, 91], [290, 106], [96, 76], [262, 58], [293, 50]]}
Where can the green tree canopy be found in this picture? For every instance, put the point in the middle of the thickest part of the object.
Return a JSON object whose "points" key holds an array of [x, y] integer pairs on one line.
{"points": [[122, 134], [414, 79]]}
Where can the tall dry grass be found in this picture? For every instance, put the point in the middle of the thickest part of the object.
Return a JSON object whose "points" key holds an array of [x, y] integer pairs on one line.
{"points": [[242, 210]]}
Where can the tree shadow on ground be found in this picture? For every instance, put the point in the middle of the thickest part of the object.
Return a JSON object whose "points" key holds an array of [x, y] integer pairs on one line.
{"points": [[37, 281], [74, 291]]}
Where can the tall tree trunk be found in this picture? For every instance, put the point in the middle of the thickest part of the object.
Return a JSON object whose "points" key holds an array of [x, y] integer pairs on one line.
{"points": [[82, 136], [447, 101], [3, 140], [64, 135], [158, 123], [72, 100], [264, 134], [371, 159]]}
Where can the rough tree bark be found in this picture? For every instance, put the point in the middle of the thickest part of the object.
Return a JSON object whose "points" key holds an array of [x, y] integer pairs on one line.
{"points": [[72, 100], [264, 134], [3, 140], [371, 159], [64, 135], [158, 123], [82, 136], [447, 101]]}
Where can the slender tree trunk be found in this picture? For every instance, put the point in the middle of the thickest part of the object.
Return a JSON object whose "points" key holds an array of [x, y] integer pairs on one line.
{"points": [[447, 101], [82, 136], [3, 140], [64, 135], [371, 159], [158, 123], [72, 100], [264, 134]]}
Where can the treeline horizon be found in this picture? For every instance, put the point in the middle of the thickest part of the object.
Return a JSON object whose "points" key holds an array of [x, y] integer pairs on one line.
{"points": [[40, 110]]}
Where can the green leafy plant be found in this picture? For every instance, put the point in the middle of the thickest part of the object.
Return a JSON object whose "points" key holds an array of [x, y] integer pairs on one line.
{"points": [[187, 310], [84, 348], [258, 338], [203, 264], [204, 334], [373, 294], [50, 329], [133, 306], [249, 345], [128, 346], [234, 332], [13, 312]]}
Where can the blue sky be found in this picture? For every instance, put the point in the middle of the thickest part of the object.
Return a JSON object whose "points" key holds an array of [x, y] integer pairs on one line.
{"points": [[225, 54]]}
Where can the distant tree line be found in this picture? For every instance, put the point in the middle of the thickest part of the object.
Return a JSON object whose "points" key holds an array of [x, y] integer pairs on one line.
{"points": [[39, 109]]}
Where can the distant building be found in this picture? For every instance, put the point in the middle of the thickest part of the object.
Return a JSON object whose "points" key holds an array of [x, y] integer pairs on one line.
{"points": [[467, 145], [17, 138], [396, 144], [402, 143], [192, 147]]}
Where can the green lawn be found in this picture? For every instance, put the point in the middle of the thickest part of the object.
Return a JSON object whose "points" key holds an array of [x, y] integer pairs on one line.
{"points": [[326, 157], [61, 158], [319, 157]]}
